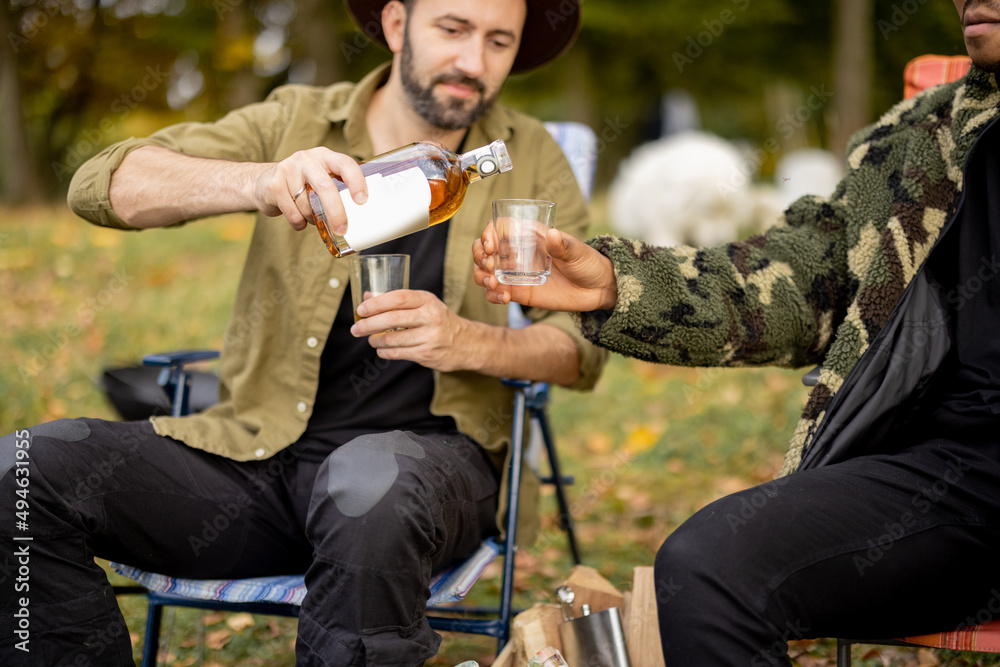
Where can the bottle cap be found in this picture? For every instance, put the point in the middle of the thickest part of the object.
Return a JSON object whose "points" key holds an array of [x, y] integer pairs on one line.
{"points": [[486, 165], [499, 150]]}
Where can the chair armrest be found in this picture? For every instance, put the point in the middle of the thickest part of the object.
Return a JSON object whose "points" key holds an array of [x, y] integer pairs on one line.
{"points": [[536, 394], [179, 357], [516, 384], [173, 378]]}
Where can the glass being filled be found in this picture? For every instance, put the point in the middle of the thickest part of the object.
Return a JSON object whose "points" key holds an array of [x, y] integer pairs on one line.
{"points": [[521, 226]]}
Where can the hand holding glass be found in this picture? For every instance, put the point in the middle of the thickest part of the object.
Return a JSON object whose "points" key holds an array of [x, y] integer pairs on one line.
{"points": [[372, 275], [521, 226]]}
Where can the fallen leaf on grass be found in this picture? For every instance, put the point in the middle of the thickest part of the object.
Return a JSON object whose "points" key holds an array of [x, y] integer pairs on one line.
{"points": [[875, 653], [641, 439], [731, 395], [215, 617], [927, 658], [102, 237], [56, 409], [777, 383], [730, 484], [240, 622], [675, 466], [216, 639], [159, 276], [599, 443], [635, 499]]}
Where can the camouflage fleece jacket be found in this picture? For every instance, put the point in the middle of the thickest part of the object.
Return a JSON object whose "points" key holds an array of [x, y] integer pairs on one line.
{"points": [[837, 281]]}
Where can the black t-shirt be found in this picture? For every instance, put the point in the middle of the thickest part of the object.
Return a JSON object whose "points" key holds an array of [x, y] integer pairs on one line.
{"points": [[966, 264], [359, 392]]}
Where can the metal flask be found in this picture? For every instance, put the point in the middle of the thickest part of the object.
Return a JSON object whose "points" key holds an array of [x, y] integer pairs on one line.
{"points": [[595, 639]]}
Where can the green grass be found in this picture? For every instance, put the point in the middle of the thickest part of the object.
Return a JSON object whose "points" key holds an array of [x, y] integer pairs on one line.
{"points": [[648, 447]]}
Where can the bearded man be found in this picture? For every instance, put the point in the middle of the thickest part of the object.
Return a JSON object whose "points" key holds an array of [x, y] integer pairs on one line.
{"points": [[369, 462]]}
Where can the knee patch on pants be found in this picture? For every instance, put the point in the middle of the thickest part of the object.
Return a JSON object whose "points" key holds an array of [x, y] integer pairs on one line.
{"points": [[361, 472], [67, 430]]}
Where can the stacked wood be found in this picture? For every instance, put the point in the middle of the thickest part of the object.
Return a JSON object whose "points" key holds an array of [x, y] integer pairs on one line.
{"points": [[642, 631], [534, 629], [538, 627], [590, 588]]}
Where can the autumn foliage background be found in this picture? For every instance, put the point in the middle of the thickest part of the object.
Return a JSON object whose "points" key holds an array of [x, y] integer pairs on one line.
{"points": [[648, 447]]}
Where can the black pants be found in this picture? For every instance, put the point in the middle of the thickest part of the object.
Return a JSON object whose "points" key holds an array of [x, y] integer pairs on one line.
{"points": [[368, 526], [879, 546]]}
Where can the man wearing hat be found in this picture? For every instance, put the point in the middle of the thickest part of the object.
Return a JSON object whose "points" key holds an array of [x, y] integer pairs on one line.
{"points": [[370, 462]]}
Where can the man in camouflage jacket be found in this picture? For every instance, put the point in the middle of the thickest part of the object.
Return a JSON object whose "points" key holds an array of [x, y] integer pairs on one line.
{"points": [[890, 524]]}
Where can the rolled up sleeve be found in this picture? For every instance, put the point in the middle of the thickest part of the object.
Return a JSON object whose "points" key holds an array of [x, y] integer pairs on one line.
{"points": [[249, 134]]}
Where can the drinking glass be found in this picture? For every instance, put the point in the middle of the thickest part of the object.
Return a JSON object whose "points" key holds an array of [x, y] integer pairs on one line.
{"points": [[521, 225], [372, 275]]}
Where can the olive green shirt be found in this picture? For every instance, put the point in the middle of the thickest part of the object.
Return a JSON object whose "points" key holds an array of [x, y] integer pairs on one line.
{"points": [[291, 286]]}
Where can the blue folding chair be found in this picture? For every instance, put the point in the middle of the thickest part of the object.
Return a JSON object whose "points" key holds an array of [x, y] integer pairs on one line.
{"points": [[282, 595]]}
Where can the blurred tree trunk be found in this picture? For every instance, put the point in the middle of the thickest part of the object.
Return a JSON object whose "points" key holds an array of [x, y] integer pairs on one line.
{"points": [[21, 182], [853, 50], [242, 87], [314, 32], [578, 89]]}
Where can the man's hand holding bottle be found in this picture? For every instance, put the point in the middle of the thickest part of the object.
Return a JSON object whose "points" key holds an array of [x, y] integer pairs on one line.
{"points": [[281, 187], [582, 279]]}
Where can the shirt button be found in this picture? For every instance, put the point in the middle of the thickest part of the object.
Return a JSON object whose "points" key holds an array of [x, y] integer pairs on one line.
{"points": [[334, 283], [259, 452], [301, 407], [312, 341]]}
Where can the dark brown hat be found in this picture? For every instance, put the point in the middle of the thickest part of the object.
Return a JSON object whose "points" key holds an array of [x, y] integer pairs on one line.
{"points": [[549, 29]]}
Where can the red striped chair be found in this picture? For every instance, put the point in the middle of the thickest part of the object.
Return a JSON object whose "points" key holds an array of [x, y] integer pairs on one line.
{"points": [[984, 638], [926, 71]]}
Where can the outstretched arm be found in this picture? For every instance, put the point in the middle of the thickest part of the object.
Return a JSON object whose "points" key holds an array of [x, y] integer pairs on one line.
{"points": [[155, 186], [771, 299]]}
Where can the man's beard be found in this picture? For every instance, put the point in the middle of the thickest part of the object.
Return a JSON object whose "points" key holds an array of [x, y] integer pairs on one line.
{"points": [[992, 67], [453, 116]]}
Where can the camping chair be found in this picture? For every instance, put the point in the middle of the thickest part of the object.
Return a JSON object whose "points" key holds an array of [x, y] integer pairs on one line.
{"points": [[921, 73], [282, 595]]}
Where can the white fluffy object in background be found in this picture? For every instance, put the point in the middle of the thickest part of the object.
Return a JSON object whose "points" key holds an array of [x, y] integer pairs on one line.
{"points": [[686, 189], [695, 188]]}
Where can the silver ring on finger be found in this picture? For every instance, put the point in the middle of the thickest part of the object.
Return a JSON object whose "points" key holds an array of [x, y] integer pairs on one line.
{"points": [[301, 190]]}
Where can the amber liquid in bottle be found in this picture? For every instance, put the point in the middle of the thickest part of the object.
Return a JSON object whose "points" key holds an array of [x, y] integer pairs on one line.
{"points": [[447, 179]]}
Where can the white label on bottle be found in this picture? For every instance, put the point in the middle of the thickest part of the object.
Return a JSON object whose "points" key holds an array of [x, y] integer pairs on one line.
{"points": [[398, 204]]}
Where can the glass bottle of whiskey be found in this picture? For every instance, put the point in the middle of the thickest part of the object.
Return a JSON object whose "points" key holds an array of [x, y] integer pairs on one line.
{"points": [[409, 189]]}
